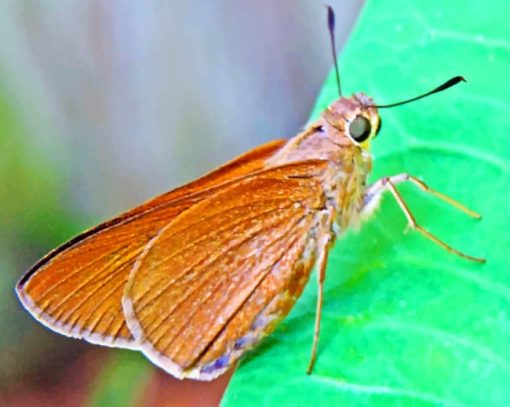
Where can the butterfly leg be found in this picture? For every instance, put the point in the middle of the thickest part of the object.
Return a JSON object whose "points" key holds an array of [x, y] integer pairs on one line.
{"points": [[389, 184], [325, 242]]}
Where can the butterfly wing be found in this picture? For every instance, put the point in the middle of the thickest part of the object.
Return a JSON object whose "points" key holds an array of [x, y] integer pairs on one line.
{"points": [[76, 289], [221, 274]]}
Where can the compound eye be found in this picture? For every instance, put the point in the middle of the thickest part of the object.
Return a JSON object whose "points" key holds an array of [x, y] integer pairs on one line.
{"points": [[360, 129]]}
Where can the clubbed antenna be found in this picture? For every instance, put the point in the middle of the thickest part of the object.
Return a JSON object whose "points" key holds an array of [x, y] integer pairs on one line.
{"points": [[331, 28], [448, 84]]}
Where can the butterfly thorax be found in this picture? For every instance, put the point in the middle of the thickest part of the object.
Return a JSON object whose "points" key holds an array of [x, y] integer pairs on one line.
{"points": [[349, 163]]}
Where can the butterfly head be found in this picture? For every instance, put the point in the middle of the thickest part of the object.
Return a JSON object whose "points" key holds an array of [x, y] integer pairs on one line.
{"points": [[356, 119]]}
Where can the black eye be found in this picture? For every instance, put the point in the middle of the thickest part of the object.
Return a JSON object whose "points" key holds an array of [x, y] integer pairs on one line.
{"points": [[360, 129]]}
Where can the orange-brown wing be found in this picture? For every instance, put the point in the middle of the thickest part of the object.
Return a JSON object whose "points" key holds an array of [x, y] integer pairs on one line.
{"points": [[221, 274], [76, 289]]}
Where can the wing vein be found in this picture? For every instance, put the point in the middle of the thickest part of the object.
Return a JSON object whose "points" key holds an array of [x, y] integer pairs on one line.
{"points": [[106, 297], [209, 260], [110, 275], [191, 291], [220, 329]]}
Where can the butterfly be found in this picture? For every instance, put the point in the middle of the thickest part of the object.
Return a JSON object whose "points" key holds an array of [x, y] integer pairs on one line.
{"points": [[199, 275]]}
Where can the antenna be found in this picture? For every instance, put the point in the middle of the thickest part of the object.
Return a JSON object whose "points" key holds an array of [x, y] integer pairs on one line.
{"points": [[448, 84], [331, 28]]}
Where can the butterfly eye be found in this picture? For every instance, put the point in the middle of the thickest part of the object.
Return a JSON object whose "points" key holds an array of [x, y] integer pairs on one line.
{"points": [[360, 129]]}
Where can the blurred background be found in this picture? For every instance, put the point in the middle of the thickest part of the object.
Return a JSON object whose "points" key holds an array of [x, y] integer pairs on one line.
{"points": [[104, 104]]}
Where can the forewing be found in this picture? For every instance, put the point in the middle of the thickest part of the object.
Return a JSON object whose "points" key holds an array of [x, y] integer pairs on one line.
{"points": [[217, 278], [76, 289]]}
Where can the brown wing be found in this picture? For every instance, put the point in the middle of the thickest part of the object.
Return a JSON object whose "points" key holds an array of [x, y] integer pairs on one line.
{"points": [[76, 289], [218, 277]]}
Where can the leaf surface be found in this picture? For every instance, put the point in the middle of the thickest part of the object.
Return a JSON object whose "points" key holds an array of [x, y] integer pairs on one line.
{"points": [[404, 322]]}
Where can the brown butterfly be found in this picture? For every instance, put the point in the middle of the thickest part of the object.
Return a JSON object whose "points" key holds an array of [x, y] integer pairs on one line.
{"points": [[197, 276]]}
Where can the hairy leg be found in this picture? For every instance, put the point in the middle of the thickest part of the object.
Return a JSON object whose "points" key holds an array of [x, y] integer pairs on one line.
{"points": [[375, 191]]}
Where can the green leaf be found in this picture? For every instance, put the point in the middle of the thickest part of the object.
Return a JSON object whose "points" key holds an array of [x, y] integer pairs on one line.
{"points": [[405, 322]]}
